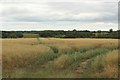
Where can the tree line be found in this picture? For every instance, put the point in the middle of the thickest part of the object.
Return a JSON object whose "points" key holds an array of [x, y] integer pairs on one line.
{"points": [[62, 34]]}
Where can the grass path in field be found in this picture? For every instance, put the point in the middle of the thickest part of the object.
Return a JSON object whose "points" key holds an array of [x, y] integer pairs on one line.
{"points": [[83, 63], [102, 66], [80, 69], [64, 60], [83, 70]]}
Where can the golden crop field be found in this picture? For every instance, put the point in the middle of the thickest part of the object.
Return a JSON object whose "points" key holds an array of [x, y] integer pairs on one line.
{"points": [[60, 58]]}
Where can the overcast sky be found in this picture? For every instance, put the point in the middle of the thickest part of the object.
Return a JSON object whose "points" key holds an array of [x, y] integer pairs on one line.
{"points": [[58, 14]]}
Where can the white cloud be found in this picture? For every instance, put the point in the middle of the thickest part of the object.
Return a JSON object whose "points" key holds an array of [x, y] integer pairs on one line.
{"points": [[84, 12], [64, 25], [59, 1]]}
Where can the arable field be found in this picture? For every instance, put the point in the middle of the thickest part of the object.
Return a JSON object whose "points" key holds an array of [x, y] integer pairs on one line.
{"points": [[60, 58]]}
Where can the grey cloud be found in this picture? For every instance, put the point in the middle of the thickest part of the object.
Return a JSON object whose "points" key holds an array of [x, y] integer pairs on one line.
{"points": [[107, 11], [62, 11]]}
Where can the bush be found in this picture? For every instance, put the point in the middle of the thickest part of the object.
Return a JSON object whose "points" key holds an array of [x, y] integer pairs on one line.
{"points": [[30, 35]]}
